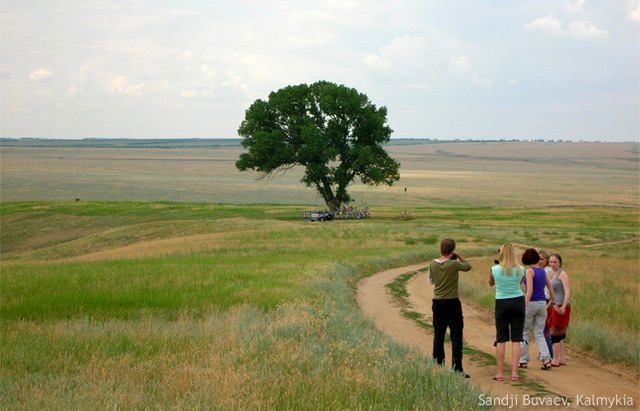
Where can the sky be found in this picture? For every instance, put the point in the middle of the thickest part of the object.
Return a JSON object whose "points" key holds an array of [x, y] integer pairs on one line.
{"points": [[500, 69]]}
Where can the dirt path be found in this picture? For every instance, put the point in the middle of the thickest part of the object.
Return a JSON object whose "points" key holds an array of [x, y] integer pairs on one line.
{"points": [[594, 245], [584, 375], [628, 240]]}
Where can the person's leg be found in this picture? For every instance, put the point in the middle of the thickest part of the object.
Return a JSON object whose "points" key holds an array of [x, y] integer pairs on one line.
{"points": [[559, 323], [455, 326], [515, 356], [500, 349], [558, 349], [561, 359], [565, 324], [439, 329], [526, 335], [547, 339], [539, 320], [547, 331], [502, 333], [517, 326]]}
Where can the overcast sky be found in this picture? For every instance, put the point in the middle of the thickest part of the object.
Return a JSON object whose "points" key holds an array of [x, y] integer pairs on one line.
{"points": [[444, 69]]}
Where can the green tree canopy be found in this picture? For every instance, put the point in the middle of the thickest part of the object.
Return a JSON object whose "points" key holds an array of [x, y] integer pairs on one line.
{"points": [[331, 130]]}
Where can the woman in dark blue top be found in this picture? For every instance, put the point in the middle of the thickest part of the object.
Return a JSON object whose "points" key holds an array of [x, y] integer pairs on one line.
{"points": [[536, 309]]}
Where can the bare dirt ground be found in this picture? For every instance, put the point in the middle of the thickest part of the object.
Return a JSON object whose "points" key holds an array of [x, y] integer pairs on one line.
{"points": [[584, 375]]}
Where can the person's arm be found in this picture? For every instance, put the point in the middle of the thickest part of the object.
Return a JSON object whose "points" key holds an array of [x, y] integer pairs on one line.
{"points": [[552, 294], [529, 274], [492, 282], [460, 257], [464, 265]]}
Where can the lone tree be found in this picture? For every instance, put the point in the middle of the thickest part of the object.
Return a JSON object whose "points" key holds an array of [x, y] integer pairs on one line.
{"points": [[331, 130]]}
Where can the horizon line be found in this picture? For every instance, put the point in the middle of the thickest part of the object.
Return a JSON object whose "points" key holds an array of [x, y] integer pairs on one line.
{"points": [[548, 140]]}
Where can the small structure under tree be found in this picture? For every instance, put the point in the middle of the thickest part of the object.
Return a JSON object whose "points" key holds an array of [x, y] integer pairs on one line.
{"points": [[331, 130]]}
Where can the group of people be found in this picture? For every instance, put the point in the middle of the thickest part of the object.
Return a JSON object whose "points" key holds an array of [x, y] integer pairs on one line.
{"points": [[542, 308]]}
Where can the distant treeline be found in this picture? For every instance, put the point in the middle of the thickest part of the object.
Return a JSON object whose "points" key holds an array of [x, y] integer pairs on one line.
{"points": [[121, 142], [210, 142]]}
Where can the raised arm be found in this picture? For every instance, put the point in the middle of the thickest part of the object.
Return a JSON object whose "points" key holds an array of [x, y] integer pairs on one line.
{"points": [[492, 282], [464, 265], [460, 257]]}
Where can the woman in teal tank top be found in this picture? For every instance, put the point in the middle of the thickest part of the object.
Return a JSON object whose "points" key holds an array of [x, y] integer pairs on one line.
{"points": [[510, 308]]}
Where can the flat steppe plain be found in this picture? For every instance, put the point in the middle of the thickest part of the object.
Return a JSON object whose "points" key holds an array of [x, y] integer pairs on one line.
{"points": [[435, 174]]}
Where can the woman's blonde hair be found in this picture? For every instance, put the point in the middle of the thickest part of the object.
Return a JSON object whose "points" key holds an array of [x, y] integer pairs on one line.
{"points": [[507, 257]]}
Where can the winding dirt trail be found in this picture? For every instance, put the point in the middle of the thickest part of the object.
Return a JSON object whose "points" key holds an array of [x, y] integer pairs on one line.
{"points": [[583, 377]]}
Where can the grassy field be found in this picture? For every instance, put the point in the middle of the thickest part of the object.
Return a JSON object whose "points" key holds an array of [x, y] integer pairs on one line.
{"points": [[193, 293], [467, 174], [161, 305]]}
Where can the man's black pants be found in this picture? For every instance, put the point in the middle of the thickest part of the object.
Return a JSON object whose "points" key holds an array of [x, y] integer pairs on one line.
{"points": [[448, 313]]}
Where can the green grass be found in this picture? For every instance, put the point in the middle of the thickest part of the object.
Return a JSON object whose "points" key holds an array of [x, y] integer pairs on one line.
{"points": [[194, 305], [297, 356], [398, 287], [122, 288], [261, 317]]}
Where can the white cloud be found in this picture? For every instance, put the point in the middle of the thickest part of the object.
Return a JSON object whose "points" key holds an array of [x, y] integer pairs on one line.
{"points": [[575, 5], [421, 63], [208, 71], [377, 63], [549, 24], [120, 85], [585, 30], [402, 53], [405, 47], [235, 80], [635, 14], [461, 64], [41, 75], [73, 90], [482, 81], [196, 94], [578, 29]]}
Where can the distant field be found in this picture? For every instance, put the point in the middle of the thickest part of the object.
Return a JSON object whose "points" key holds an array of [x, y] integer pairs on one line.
{"points": [[451, 174]]}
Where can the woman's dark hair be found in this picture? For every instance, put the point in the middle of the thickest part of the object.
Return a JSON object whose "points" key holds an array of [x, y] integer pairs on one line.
{"points": [[558, 257], [530, 256]]}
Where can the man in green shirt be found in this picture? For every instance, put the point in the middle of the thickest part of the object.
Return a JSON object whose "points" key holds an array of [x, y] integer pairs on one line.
{"points": [[447, 310]]}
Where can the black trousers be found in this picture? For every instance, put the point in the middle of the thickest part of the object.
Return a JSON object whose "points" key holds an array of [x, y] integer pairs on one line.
{"points": [[448, 313]]}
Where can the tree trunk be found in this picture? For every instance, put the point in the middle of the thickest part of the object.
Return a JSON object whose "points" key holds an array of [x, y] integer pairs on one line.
{"points": [[327, 194], [334, 205]]}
